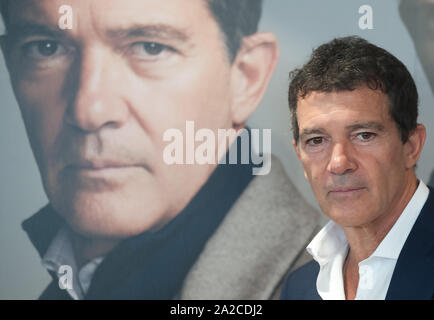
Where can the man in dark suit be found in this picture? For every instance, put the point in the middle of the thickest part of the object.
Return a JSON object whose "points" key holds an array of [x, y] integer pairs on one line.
{"points": [[354, 111]]}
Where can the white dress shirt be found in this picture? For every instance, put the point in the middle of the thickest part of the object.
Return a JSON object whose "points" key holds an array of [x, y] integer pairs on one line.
{"points": [[60, 253], [330, 247]]}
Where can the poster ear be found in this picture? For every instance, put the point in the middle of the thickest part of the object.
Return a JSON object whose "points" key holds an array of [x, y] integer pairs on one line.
{"points": [[251, 73]]}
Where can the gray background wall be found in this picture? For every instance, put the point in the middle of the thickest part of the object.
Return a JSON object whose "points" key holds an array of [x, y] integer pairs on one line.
{"points": [[299, 25]]}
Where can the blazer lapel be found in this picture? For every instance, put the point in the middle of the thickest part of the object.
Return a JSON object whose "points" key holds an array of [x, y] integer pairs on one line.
{"points": [[413, 277]]}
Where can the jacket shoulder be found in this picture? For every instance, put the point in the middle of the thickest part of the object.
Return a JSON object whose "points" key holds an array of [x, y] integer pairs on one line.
{"points": [[301, 284], [256, 244], [413, 276]]}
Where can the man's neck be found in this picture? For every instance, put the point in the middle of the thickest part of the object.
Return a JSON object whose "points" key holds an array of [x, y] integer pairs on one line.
{"points": [[86, 249]]}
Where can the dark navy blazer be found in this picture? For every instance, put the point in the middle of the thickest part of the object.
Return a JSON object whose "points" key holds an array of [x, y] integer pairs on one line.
{"points": [[412, 279]]}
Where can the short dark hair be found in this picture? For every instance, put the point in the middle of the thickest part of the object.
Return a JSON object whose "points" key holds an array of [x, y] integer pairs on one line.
{"points": [[344, 64], [236, 19]]}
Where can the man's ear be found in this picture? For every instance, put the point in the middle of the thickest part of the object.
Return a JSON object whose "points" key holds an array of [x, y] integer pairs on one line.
{"points": [[414, 145], [251, 73]]}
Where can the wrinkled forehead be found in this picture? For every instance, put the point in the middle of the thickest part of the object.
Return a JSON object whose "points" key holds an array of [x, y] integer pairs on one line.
{"points": [[343, 108], [109, 8], [112, 14]]}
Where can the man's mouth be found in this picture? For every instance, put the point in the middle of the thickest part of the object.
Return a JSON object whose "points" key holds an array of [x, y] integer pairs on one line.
{"points": [[101, 165], [104, 168], [345, 190]]}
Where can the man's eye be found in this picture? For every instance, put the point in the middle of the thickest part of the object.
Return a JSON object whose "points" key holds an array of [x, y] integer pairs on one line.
{"points": [[366, 136], [315, 141], [149, 49], [42, 49]]}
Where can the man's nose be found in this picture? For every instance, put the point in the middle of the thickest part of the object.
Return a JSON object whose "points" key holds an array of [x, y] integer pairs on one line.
{"points": [[341, 159], [96, 100]]}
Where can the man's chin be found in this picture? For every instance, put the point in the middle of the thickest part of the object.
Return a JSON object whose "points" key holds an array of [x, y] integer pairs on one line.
{"points": [[100, 217], [350, 218]]}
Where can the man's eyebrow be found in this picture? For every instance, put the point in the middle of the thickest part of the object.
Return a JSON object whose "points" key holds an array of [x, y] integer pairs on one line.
{"points": [[310, 131], [154, 31], [371, 125], [25, 29]]}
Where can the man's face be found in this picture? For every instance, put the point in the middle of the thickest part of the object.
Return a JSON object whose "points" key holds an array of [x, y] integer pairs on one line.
{"points": [[352, 154], [97, 99]]}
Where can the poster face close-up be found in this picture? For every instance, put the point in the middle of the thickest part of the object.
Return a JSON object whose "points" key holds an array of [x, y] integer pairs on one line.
{"points": [[217, 149]]}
